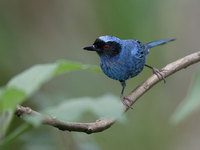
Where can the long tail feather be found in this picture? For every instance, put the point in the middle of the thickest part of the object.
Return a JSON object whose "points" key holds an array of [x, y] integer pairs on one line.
{"points": [[156, 43]]}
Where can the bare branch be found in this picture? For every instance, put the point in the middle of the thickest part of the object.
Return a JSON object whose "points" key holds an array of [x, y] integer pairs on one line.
{"points": [[105, 123], [97, 126]]}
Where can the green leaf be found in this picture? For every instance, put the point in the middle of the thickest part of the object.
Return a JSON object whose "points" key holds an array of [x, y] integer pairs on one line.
{"points": [[27, 83], [5, 120], [74, 109], [30, 80], [35, 120], [10, 98], [66, 66], [17, 132], [190, 104]]}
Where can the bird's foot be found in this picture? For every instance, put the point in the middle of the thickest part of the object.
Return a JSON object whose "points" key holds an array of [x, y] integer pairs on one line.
{"points": [[159, 74], [124, 101]]}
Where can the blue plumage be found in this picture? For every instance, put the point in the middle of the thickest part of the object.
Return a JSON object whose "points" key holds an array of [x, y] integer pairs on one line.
{"points": [[156, 43], [123, 59], [127, 64]]}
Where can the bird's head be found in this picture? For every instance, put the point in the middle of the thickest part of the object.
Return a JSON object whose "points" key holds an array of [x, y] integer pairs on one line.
{"points": [[106, 46]]}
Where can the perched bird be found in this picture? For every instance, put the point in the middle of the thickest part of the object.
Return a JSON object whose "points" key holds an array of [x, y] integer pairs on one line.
{"points": [[123, 59]]}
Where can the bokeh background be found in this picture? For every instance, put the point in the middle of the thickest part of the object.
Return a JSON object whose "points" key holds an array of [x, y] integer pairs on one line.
{"points": [[37, 32]]}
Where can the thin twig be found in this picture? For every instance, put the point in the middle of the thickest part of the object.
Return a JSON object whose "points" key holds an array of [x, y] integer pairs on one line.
{"points": [[105, 123]]}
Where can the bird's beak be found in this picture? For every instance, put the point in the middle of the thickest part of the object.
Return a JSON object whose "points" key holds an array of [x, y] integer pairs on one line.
{"points": [[90, 48]]}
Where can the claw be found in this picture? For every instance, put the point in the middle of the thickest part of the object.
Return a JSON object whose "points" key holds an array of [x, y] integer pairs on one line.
{"points": [[124, 101], [159, 74]]}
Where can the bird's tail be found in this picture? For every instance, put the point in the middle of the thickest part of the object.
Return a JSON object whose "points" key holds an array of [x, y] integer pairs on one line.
{"points": [[156, 43]]}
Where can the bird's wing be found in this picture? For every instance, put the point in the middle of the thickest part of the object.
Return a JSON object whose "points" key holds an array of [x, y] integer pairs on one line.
{"points": [[138, 51]]}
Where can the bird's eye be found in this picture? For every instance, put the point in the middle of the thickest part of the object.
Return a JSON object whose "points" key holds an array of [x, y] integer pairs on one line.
{"points": [[106, 47]]}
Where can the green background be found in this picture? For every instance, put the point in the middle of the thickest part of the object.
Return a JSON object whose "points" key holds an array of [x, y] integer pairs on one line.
{"points": [[37, 32]]}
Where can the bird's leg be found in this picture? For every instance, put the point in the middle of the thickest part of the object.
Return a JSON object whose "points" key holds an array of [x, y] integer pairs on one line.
{"points": [[156, 72], [123, 98]]}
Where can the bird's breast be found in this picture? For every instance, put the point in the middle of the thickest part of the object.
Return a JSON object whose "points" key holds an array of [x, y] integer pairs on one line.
{"points": [[113, 70], [122, 69]]}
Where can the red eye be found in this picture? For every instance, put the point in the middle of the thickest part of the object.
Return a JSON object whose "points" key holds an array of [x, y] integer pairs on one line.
{"points": [[106, 47]]}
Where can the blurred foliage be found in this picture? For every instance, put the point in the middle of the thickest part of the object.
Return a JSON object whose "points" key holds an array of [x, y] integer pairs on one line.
{"points": [[65, 110], [190, 104], [74, 110], [5, 120], [25, 84], [38, 32]]}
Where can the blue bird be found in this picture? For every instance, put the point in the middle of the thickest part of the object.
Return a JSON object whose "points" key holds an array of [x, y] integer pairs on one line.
{"points": [[123, 59]]}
